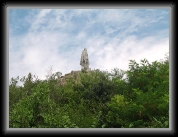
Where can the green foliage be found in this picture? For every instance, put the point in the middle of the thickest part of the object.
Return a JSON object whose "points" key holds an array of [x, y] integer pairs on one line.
{"points": [[136, 98]]}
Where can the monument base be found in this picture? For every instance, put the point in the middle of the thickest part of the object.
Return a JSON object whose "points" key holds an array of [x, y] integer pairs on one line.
{"points": [[86, 70]]}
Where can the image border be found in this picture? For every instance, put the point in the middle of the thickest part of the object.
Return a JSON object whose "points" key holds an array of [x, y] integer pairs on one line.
{"points": [[6, 130]]}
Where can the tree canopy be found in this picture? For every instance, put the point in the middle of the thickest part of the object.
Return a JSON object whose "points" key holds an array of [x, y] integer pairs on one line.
{"points": [[136, 98]]}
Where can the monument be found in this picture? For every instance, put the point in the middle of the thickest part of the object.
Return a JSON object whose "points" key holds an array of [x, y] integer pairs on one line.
{"points": [[84, 61]]}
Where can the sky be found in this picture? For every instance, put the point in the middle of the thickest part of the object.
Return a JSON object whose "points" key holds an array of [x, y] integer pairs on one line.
{"points": [[40, 39]]}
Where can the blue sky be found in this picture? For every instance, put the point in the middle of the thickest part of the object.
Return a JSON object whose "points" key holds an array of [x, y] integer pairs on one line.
{"points": [[41, 38]]}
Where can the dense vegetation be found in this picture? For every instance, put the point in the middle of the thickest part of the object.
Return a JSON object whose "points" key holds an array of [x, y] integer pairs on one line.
{"points": [[136, 98]]}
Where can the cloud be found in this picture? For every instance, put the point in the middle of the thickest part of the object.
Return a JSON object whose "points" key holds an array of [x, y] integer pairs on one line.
{"points": [[115, 55], [56, 37]]}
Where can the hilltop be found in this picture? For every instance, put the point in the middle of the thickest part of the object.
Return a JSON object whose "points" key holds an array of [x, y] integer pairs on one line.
{"points": [[92, 100]]}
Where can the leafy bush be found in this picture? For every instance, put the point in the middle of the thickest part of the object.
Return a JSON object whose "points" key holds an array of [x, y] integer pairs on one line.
{"points": [[136, 98]]}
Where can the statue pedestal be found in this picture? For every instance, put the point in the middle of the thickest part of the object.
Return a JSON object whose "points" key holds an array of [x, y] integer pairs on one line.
{"points": [[86, 70]]}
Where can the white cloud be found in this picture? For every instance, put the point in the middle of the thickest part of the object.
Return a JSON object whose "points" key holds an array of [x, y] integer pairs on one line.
{"points": [[39, 19], [50, 41], [131, 48]]}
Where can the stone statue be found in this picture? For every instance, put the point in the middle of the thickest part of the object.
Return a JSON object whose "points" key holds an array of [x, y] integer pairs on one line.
{"points": [[84, 61]]}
